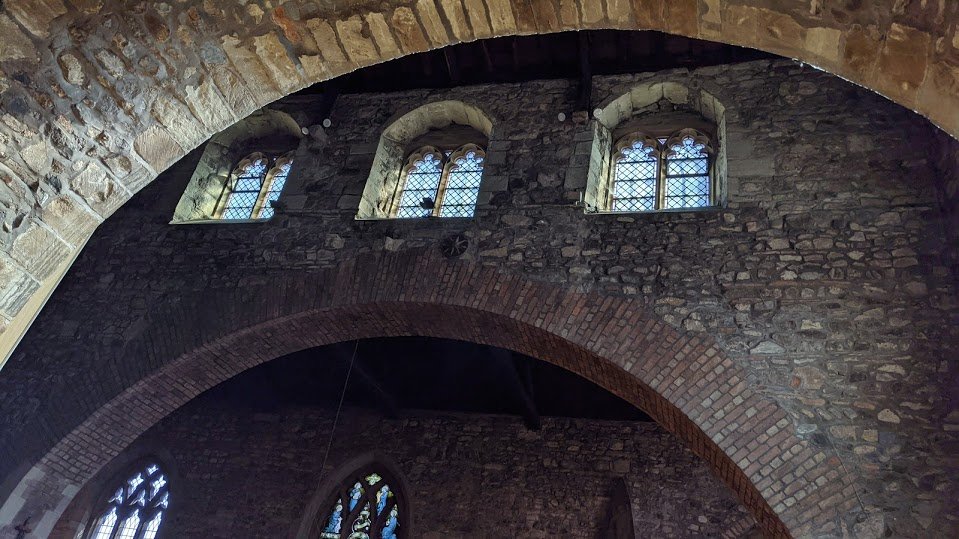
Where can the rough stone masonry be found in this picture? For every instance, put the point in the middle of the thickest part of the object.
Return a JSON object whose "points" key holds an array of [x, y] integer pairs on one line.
{"points": [[826, 287]]}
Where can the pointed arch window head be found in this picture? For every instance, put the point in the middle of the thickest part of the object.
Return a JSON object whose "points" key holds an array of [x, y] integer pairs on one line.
{"points": [[664, 173], [437, 183], [365, 508], [136, 508], [254, 186]]}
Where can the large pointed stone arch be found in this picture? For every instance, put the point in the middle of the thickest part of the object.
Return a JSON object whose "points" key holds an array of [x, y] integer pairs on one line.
{"points": [[100, 96], [683, 380]]}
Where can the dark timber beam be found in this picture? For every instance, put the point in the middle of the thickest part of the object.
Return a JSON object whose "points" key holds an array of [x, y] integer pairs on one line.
{"points": [[585, 74], [452, 67], [387, 404], [520, 379]]}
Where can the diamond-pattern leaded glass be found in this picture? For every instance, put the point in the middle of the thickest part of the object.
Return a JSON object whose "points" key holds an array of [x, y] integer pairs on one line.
{"points": [[280, 175], [462, 185], [372, 510], [245, 190], [135, 510], [687, 175], [634, 182], [422, 182]]}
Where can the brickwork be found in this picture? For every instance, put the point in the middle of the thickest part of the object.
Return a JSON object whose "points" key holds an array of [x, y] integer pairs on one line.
{"points": [[467, 475], [794, 340], [98, 97]]}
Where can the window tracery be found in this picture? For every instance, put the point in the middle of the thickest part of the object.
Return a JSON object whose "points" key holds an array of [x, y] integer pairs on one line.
{"points": [[661, 173], [370, 511], [440, 183], [254, 186], [136, 508]]}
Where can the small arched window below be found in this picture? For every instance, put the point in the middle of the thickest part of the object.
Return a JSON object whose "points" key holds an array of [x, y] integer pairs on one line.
{"points": [[254, 186], [439, 183], [136, 507], [364, 506], [650, 174]]}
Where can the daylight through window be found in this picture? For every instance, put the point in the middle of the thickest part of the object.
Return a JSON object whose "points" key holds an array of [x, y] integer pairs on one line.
{"points": [[254, 186], [365, 508], [439, 183], [661, 173], [136, 507]]}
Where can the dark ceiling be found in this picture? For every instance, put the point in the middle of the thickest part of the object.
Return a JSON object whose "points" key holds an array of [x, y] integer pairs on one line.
{"points": [[563, 55], [396, 375]]}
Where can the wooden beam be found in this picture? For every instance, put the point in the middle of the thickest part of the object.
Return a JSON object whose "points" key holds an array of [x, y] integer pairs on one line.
{"points": [[344, 353], [523, 388], [452, 66], [585, 74]]}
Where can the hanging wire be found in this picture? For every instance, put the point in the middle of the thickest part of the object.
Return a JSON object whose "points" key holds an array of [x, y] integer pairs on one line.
{"points": [[339, 407]]}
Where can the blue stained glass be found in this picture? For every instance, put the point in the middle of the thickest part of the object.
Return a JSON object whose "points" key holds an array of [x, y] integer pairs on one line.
{"points": [[355, 494], [335, 522], [389, 530], [370, 501]]}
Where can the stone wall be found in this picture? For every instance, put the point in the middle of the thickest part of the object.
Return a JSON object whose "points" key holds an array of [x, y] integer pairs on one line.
{"points": [[98, 97], [824, 281], [243, 473]]}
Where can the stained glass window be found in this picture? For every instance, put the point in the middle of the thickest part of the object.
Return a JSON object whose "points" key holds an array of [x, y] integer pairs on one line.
{"points": [[665, 173], [256, 184], [634, 181], [441, 184], [371, 510], [136, 507]]}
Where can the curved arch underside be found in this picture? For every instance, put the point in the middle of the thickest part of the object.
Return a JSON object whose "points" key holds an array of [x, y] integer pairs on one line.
{"points": [[100, 96], [684, 381]]}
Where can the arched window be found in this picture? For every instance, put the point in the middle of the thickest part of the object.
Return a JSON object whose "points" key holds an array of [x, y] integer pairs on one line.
{"points": [[662, 173], [135, 508], [364, 506], [439, 183], [255, 184]]}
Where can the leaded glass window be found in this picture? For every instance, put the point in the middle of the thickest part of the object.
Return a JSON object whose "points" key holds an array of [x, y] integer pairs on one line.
{"points": [[661, 173], [440, 183], [254, 187], [136, 507], [366, 507]]}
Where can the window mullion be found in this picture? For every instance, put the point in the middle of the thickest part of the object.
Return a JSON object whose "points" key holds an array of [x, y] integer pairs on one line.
{"points": [[441, 188], [661, 181]]}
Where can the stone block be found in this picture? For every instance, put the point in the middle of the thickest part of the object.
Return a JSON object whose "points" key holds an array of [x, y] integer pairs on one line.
{"points": [[35, 15], [16, 286], [15, 45], [157, 148], [39, 251]]}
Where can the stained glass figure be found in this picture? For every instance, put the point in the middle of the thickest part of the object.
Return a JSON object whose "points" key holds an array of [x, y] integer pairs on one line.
{"points": [[441, 184], [634, 181], [371, 513], [135, 510]]}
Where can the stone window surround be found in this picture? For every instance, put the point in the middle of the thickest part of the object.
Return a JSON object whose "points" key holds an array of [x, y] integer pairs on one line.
{"points": [[317, 510], [267, 131], [608, 118], [392, 152], [274, 163]]}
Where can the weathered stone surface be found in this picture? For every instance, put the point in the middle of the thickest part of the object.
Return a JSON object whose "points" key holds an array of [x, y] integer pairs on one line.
{"points": [[35, 15], [494, 458], [16, 286], [157, 148], [15, 45]]}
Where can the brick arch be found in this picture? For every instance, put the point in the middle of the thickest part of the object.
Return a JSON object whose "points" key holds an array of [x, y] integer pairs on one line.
{"points": [[683, 380], [106, 95]]}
